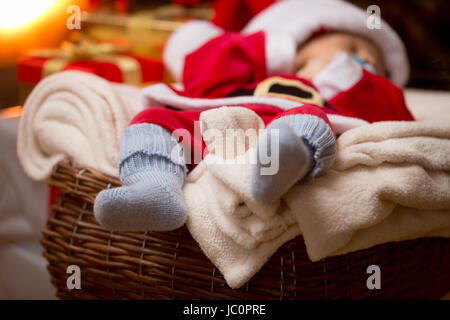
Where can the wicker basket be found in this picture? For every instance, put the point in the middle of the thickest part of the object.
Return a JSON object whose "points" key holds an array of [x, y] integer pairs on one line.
{"points": [[170, 265]]}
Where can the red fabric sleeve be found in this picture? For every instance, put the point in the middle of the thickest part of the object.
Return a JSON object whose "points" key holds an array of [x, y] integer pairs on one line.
{"points": [[373, 98], [223, 64]]}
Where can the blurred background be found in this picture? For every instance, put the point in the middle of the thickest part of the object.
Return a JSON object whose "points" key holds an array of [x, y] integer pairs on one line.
{"points": [[122, 41], [424, 27], [142, 27]]}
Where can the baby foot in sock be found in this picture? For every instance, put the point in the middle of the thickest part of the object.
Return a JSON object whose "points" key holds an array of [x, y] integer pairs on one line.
{"points": [[154, 203], [269, 181]]}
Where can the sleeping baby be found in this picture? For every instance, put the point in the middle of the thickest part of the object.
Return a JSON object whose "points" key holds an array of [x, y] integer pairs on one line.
{"points": [[309, 69]]}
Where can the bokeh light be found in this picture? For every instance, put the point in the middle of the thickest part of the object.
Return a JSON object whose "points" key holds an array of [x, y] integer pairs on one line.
{"points": [[18, 13], [32, 24]]}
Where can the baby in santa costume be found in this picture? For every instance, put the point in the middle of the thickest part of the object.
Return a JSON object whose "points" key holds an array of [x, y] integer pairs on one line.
{"points": [[310, 69]]}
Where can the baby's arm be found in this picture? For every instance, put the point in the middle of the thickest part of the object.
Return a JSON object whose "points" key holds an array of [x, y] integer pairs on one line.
{"points": [[213, 62], [224, 64]]}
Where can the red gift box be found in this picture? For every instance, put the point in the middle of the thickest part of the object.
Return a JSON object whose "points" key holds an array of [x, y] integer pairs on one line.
{"points": [[104, 60], [135, 70]]}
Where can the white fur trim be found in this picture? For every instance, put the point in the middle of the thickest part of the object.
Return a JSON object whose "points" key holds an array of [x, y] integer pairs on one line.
{"points": [[280, 53], [161, 95], [185, 40], [301, 18], [339, 75]]}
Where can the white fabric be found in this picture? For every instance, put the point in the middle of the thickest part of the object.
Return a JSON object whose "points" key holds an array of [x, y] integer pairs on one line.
{"points": [[280, 53], [78, 116], [23, 204], [184, 40], [390, 182], [339, 75], [300, 19]]}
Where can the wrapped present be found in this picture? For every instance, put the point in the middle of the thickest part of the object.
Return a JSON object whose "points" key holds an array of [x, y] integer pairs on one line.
{"points": [[108, 61]]}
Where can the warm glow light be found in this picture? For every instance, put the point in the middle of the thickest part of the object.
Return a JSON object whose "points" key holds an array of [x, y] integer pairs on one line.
{"points": [[32, 24], [11, 112], [18, 13]]}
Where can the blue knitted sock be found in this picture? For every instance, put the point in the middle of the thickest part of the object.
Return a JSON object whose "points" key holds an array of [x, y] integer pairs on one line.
{"points": [[152, 171], [306, 149]]}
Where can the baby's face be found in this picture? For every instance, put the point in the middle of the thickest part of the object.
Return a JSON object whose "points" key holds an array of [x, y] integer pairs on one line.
{"points": [[313, 56]]}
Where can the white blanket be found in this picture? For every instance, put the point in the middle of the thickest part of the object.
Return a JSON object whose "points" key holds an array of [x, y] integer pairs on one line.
{"points": [[77, 116], [390, 182]]}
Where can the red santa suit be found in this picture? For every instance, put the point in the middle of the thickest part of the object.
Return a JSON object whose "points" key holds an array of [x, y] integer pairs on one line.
{"points": [[231, 69]]}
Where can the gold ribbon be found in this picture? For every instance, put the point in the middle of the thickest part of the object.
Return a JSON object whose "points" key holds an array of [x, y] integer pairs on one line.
{"points": [[89, 50], [263, 89]]}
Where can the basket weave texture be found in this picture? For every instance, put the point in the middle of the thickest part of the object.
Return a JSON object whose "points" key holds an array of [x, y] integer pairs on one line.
{"points": [[170, 265]]}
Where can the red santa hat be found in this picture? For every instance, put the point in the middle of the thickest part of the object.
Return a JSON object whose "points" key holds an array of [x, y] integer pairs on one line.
{"points": [[288, 24], [301, 19]]}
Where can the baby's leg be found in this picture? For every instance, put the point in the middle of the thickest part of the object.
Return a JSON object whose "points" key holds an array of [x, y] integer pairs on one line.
{"points": [[306, 148], [152, 172]]}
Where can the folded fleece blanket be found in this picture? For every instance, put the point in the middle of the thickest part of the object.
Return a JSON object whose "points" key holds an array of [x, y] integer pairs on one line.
{"points": [[390, 182], [77, 116]]}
